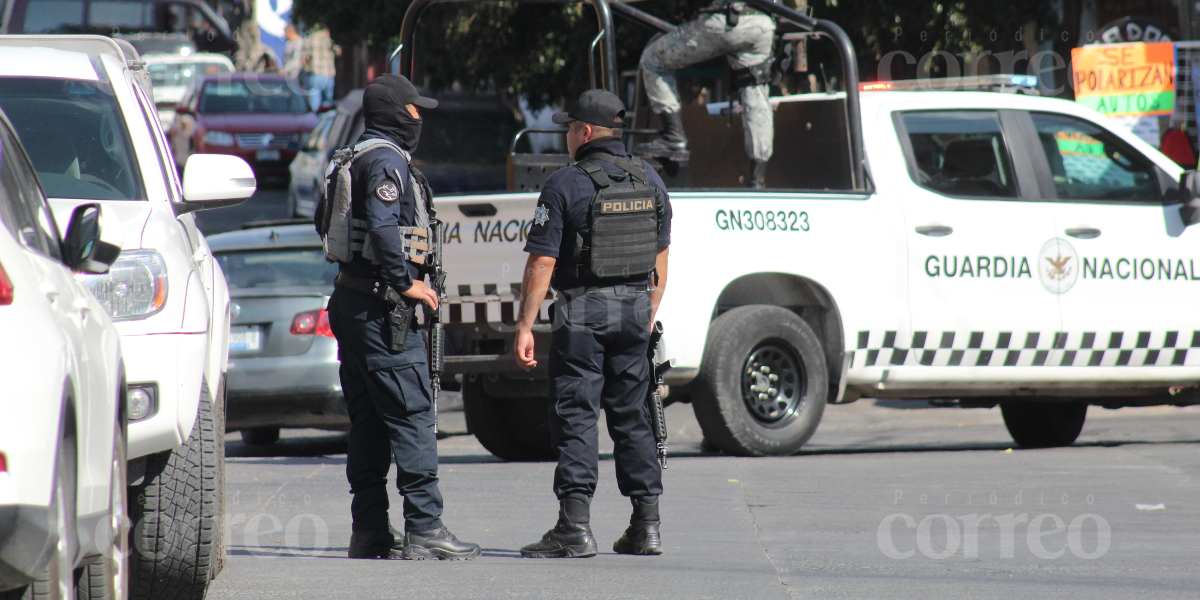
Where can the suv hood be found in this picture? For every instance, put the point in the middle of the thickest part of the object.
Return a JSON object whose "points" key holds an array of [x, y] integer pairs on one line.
{"points": [[132, 213]]}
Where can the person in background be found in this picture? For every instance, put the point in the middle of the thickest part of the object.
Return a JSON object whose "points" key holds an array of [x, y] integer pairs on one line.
{"points": [[320, 60], [293, 56]]}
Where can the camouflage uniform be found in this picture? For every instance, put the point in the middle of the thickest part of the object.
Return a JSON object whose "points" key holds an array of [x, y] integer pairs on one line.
{"points": [[706, 37]]}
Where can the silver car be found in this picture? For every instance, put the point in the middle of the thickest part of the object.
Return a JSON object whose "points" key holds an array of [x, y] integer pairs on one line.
{"points": [[283, 365]]}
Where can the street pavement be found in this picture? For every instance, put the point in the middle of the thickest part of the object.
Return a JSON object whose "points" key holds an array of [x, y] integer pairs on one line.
{"points": [[888, 500]]}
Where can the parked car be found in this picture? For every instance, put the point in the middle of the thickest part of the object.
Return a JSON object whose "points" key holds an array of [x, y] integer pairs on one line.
{"points": [[62, 411], [283, 360], [191, 18], [171, 74], [464, 146], [85, 117], [258, 117]]}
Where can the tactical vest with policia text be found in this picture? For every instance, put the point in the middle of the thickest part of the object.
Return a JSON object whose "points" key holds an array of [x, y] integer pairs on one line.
{"points": [[625, 214], [342, 235]]}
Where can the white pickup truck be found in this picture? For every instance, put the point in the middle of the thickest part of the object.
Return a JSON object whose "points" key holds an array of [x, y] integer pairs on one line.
{"points": [[1011, 250]]}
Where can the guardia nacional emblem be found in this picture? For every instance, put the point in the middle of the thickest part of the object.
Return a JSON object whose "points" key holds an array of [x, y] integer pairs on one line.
{"points": [[541, 215]]}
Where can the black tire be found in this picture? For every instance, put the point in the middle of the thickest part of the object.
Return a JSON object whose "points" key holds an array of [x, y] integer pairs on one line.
{"points": [[516, 429], [750, 339], [260, 436], [1044, 424], [107, 577], [175, 515]]}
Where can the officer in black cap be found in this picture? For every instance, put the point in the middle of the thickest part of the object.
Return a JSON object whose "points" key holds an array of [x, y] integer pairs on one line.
{"points": [[387, 390], [600, 234]]}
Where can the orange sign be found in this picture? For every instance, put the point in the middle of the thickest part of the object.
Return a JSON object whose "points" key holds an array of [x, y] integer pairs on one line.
{"points": [[1125, 79]]}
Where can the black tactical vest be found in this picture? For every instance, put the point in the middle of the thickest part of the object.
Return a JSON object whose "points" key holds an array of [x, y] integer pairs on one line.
{"points": [[621, 239]]}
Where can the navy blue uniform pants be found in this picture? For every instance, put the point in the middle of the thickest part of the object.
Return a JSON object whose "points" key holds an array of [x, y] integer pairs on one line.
{"points": [[391, 416], [598, 360]]}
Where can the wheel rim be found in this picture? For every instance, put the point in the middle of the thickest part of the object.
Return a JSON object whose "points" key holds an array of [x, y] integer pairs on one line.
{"points": [[773, 384]]}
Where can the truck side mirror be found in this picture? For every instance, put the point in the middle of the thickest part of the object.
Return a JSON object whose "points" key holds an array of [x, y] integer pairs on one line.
{"points": [[1189, 186]]}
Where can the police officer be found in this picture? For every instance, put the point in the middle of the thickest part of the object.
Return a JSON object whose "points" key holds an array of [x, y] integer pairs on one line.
{"points": [[600, 234], [387, 391], [727, 28]]}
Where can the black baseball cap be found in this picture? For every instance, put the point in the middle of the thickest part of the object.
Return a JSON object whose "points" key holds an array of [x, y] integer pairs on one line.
{"points": [[396, 88], [601, 108]]}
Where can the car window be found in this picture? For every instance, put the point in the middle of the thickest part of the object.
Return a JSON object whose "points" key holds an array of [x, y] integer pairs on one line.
{"points": [[110, 17], [1088, 162], [76, 135], [180, 74], [25, 210], [959, 153], [251, 97], [317, 140], [277, 268], [54, 16]]}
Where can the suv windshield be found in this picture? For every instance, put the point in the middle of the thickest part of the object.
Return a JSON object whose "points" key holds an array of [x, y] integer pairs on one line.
{"points": [[75, 134], [251, 97]]}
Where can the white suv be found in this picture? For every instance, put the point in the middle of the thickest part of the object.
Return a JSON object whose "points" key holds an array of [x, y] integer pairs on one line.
{"points": [[81, 105]]}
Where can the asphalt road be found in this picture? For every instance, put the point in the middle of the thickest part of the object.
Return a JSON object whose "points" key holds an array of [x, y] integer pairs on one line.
{"points": [[885, 502]]}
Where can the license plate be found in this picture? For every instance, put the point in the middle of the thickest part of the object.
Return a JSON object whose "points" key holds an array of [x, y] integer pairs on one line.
{"points": [[245, 339], [263, 155]]}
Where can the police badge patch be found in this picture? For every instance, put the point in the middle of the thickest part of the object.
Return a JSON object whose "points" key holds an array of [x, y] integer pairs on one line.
{"points": [[540, 215], [387, 192]]}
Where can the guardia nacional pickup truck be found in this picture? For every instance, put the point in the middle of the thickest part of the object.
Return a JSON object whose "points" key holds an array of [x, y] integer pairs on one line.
{"points": [[983, 247]]}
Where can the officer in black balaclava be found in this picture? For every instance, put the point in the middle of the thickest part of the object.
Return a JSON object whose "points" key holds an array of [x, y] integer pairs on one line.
{"points": [[387, 392]]}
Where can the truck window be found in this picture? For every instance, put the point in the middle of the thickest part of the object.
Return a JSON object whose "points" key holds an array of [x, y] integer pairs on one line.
{"points": [[959, 153], [1088, 162], [53, 16], [109, 17]]}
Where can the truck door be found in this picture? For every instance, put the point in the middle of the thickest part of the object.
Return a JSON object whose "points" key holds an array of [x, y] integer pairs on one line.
{"points": [[974, 228], [1122, 265]]}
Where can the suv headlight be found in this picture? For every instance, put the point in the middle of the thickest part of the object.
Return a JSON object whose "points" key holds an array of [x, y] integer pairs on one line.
{"points": [[218, 138], [135, 286]]}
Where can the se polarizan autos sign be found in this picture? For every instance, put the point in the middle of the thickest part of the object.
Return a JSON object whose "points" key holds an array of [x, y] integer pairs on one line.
{"points": [[1126, 79]]}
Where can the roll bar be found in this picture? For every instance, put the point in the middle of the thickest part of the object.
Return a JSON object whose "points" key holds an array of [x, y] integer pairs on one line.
{"points": [[608, 55], [608, 45]]}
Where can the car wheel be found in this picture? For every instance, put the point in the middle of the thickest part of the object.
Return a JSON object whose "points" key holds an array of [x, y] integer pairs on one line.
{"points": [[176, 514], [763, 383], [107, 578], [260, 436], [1044, 424], [516, 429]]}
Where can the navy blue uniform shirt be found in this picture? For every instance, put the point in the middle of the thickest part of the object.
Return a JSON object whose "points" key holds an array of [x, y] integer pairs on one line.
{"points": [[381, 195], [566, 211]]}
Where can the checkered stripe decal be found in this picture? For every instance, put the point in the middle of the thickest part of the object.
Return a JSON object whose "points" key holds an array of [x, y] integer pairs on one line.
{"points": [[487, 303], [1028, 349]]}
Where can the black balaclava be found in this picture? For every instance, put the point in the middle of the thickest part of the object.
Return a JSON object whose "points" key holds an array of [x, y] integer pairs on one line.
{"points": [[385, 112]]}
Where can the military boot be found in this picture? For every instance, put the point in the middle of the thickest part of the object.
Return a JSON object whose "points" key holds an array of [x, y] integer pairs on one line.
{"points": [[439, 543], [641, 537], [571, 537], [673, 139], [371, 544], [758, 174]]}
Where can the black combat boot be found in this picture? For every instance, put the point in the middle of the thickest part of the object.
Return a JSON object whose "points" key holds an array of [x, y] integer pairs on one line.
{"points": [[673, 139], [439, 543], [371, 544], [758, 174], [641, 537], [571, 537]]}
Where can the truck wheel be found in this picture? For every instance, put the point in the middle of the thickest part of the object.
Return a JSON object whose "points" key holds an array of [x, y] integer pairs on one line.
{"points": [[107, 578], [1044, 424], [516, 429], [260, 436], [763, 383], [175, 515]]}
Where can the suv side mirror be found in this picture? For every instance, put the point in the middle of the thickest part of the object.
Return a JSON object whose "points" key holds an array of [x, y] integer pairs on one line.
{"points": [[1189, 187], [93, 240], [215, 181]]}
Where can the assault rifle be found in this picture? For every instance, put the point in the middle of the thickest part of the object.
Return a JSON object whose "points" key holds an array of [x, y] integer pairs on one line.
{"points": [[437, 331], [658, 420]]}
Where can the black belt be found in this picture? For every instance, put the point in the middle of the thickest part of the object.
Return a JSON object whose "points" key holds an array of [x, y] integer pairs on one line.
{"points": [[583, 290], [370, 287]]}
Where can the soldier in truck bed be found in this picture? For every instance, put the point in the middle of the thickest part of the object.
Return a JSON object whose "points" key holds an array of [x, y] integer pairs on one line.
{"points": [[600, 236], [725, 28]]}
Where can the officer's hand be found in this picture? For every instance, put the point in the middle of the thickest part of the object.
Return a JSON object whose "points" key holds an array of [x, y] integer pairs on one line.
{"points": [[524, 349], [422, 292]]}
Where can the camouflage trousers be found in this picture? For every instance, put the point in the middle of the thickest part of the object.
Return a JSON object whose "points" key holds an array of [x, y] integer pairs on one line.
{"points": [[705, 38]]}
